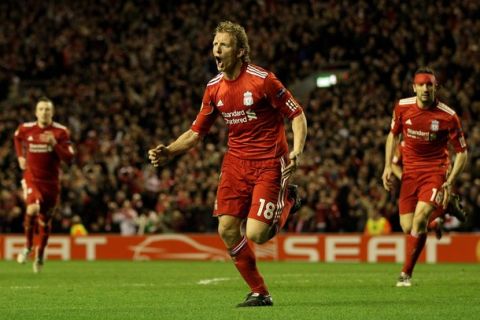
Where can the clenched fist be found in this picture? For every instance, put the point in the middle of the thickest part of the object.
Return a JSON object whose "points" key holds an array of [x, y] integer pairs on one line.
{"points": [[159, 155]]}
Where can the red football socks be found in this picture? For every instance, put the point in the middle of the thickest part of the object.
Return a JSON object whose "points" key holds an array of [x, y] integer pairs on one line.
{"points": [[44, 234], [244, 259], [29, 228], [415, 244]]}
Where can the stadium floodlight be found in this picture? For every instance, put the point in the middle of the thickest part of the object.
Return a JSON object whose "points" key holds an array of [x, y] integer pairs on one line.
{"points": [[326, 80]]}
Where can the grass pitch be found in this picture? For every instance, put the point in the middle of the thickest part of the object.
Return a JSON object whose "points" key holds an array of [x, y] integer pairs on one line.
{"points": [[210, 290]]}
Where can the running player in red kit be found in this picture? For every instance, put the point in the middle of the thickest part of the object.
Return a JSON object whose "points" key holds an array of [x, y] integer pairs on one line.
{"points": [[40, 146], [427, 126], [257, 166]]}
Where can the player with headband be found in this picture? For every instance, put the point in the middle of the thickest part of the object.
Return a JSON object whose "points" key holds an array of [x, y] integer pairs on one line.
{"points": [[427, 126]]}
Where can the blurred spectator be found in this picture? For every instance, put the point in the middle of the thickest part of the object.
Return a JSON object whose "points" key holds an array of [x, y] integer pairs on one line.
{"points": [[77, 228], [377, 224], [126, 218]]}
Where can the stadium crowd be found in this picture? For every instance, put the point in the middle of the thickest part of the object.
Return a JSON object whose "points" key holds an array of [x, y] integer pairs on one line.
{"points": [[125, 75]]}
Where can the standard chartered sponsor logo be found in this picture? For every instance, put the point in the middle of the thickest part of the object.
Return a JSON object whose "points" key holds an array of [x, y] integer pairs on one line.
{"points": [[39, 148], [235, 113], [239, 116], [417, 134], [236, 121]]}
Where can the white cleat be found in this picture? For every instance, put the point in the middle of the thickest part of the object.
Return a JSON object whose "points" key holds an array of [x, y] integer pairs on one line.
{"points": [[37, 266], [404, 280], [22, 257]]}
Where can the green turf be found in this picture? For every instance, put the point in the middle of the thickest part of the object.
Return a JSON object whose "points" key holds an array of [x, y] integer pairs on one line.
{"points": [[171, 290]]}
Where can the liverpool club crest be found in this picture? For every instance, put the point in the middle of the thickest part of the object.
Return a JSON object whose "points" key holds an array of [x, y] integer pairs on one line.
{"points": [[247, 98], [435, 126]]}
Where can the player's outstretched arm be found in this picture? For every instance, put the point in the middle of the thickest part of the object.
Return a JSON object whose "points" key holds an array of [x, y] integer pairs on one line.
{"points": [[22, 163], [458, 166], [390, 147], [161, 154], [397, 171], [18, 142], [299, 128], [63, 147]]}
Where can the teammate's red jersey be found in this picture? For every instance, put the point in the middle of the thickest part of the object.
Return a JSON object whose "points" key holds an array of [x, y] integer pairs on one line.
{"points": [[42, 160], [254, 107], [426, 133]]}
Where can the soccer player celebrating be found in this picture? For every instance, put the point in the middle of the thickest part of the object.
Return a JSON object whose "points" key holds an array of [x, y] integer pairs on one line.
{"points": [[427, 126], [40, 146], [253, 186]]}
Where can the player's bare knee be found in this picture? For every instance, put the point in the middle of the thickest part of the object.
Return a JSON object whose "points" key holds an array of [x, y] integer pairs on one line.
{"points": [[421, 219], [33, 209], [406, 226], [257, 237], [43, 221], [45, 225], [229, 234], [407, 230], [420, 225], [406, 222]]}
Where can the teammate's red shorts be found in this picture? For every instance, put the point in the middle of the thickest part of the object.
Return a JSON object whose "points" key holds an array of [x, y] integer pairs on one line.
{"points": [[252, 188], [423, 186], [46, 194]]}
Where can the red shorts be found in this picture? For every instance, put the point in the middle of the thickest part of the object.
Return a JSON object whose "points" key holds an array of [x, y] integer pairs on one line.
{"points": [[423, 186], [252, 188], [45, 194]]}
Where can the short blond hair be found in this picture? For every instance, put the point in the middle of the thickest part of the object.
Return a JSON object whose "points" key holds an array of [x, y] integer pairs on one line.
{"points": [[45, 99], [239, 34]]}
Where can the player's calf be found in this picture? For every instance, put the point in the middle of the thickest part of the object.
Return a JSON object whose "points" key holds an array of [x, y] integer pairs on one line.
{"points": [[296, 205], [439, 229], [38, 263], [436, 226], [37, 266], [293, 195]]}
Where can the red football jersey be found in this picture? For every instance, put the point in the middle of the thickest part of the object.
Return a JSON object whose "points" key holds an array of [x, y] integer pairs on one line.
{"points": [[254, 107], [426, 133], [42, 160]]}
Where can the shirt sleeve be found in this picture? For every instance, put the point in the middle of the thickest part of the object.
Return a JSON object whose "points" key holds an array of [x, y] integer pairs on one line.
{"points": [[396, 125], [64, 148], [206, 117], [457, 138], [280, 98]]}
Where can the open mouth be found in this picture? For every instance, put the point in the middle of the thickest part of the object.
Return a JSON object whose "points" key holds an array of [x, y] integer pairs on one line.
{"points": [[219, 62]]}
